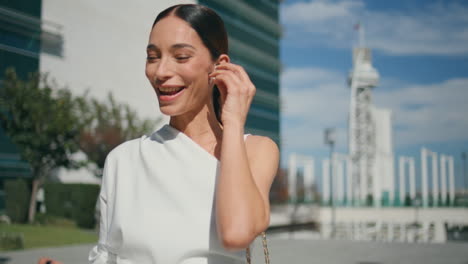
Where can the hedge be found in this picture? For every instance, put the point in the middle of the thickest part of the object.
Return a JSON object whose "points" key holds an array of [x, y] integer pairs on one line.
{"points": [[11, 241], [72, 201], [17, 196]]}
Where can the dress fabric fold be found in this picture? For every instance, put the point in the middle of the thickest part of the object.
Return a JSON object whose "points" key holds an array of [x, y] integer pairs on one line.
{"points": [[157, 204]]}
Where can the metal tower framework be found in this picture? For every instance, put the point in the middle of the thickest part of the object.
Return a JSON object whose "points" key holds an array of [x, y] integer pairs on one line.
{"points": [[362, 136]]}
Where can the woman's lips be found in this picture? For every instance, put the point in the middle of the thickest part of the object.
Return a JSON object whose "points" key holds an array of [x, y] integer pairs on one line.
{"points": [[170, 93]]}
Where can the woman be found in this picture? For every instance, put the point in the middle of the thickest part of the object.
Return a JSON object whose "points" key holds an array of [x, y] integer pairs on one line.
{"points": [[195, 191]]}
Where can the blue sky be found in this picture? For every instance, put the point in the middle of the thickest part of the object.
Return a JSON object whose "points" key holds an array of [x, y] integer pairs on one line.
{"points": [[420, 49]]}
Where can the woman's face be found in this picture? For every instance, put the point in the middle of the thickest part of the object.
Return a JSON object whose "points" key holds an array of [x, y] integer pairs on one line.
{"points": [[177, 66]]}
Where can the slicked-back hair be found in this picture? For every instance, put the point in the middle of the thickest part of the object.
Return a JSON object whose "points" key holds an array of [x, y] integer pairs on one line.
{"points": [[209, 27]]}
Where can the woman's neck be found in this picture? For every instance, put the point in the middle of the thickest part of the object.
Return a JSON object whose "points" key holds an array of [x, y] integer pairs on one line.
{"points": [[201, 126]]}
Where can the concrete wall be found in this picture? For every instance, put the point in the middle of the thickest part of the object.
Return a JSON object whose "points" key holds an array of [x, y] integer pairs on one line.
{"points": [[104, 48], [449, 215], [384, 176]]}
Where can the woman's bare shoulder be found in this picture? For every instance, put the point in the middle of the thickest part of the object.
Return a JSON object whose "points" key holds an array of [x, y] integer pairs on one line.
{"points": [[261, 146], [263, 155]]}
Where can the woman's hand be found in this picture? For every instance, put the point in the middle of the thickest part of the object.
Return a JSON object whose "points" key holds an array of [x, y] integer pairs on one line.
{"points": [[47, 261], [237, 92]]}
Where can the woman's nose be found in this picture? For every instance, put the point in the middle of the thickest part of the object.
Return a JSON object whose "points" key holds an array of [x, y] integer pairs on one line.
{"points": [[163, 69]]}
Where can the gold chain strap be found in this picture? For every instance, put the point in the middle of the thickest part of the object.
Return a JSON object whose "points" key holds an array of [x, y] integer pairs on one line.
{"points": [[265, 250]]}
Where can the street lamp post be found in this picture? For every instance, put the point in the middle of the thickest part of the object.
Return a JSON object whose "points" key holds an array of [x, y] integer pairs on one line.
{"points": [[416, 204], [330, 139], [463, 156]]}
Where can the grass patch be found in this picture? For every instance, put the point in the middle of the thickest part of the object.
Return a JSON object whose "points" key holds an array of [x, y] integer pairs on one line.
{"points": [[36, 236]]}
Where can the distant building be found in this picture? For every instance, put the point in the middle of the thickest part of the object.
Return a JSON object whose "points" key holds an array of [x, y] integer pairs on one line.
{"points": [[254, 34], [384, 175], [20, 34], [100, 46], [369, 136]]}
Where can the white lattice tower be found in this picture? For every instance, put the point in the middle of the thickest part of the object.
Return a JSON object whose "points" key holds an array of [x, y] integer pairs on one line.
{"points": [[362, 79]]}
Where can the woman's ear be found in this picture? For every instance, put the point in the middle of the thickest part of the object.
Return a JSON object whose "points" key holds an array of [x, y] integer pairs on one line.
{"points": [[223, 58]]}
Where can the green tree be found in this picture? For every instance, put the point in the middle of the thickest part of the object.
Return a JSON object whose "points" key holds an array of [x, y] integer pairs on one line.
{"points": [[408, 202], [430, 200], [447, 201], [106, 125], [369, 200], [17, 200], [41, 119]]}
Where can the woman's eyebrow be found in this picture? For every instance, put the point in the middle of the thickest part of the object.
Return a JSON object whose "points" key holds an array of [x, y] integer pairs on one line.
{"points": [[182, 45], [152, 47]]}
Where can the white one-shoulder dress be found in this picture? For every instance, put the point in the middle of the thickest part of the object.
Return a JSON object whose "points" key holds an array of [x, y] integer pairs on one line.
{"points": [[157, 204]]}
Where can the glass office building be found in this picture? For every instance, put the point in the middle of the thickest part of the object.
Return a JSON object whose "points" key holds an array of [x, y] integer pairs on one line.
{"points": [[254, 34], [20, 33], [59, 37]]}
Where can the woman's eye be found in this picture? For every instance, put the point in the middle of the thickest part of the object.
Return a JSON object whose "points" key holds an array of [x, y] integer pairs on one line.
{"points": [[181, 58], [151, 58]]}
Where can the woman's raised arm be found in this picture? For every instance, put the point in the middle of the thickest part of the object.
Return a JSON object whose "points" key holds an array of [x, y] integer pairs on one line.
{"points": [[247, 167]]}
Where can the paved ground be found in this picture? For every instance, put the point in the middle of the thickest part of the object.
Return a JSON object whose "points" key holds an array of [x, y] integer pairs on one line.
{"points": [[300, 251], [67, 255], [352, 252]]}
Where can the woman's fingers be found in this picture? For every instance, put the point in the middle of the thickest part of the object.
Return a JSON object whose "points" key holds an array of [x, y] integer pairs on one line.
{"points": [[44, 260], [238, 70], [234, 78], [229, 80], [241, 74], [236, 75], [237, 91]]}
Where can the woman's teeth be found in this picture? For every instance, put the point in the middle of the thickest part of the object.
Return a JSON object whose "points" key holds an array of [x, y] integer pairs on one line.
{"points": [[170, 90]]}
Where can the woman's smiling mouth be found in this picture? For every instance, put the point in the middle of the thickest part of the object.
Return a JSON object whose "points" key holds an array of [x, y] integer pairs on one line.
{"points": [[168, 93]]}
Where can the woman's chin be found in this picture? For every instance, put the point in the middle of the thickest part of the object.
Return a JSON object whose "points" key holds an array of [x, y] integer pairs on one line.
{"points": [[170, 110], [166, 110]]}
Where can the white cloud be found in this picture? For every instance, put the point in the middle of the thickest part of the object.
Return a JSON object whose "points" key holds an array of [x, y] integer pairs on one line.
{"points": [[313, 99], [437, 29], [307, 76], [320, 10], [317, 98], [428, 113]]}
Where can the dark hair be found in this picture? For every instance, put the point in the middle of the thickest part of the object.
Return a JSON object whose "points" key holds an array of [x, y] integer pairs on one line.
{"points": [[209, 27]]}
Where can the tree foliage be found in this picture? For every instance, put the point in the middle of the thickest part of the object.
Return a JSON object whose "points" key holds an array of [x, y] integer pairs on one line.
{"points": [[106, 125], [41, 119], [48, 124], [17, 200], [408, 201]]}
